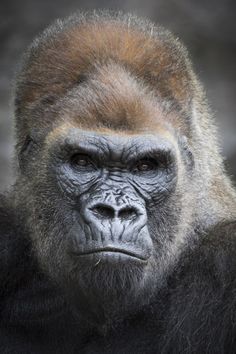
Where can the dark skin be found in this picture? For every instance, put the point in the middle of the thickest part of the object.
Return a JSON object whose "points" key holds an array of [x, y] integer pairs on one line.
{"points": [[112, 180], [108, 185]]}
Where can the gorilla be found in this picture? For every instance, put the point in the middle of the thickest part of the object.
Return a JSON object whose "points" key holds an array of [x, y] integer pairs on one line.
{"points": [[119, 233]]}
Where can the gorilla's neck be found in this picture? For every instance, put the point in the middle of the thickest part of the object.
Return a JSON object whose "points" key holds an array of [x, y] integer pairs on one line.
{"points": [[107, 315], [104, 308]]}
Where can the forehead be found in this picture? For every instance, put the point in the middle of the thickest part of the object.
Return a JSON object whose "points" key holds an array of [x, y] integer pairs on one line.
{"points": [[110, 140], [112, 98], [112, 101]]}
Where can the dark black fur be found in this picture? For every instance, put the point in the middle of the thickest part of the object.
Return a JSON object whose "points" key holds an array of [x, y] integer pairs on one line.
{"points": [[194, 313]]}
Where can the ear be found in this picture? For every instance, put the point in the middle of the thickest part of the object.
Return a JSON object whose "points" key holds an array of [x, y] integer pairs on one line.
{"points": [[186, 152], [25, 151]]}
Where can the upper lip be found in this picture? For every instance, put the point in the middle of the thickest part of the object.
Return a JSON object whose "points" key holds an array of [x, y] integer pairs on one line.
{"points": [[126, 251]]}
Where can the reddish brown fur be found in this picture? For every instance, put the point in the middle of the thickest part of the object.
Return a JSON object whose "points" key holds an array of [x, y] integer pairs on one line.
{"points": [[129, 73], [115, 100], [76, 52]]}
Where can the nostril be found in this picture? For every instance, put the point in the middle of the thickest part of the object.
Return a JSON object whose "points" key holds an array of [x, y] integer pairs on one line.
{"points": [[127, 213], [103, 211], [107, 212]]}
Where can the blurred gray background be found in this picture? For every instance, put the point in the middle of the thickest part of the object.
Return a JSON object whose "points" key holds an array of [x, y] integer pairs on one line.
{"points": [[207, 27]]}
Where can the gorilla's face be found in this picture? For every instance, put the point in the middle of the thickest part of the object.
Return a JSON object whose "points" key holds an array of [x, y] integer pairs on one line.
{"points": [[105, 211]]}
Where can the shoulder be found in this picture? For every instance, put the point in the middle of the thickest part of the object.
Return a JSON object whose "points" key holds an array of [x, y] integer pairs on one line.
{"points": [[217, 251], [205, 278], [201, 302], [13, 245], [212, 258], [221, 236]]}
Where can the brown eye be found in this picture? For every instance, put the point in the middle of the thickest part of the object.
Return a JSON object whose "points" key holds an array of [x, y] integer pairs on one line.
{"points": [[80, 160], [145, 166]]}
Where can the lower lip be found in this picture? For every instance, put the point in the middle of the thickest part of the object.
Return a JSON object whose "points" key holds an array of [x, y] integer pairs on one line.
{"points": [[111, 256]]}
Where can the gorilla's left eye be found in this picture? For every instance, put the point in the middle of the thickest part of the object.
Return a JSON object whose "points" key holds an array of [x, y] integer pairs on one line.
{"points": [[81, 160], [145, 165]]}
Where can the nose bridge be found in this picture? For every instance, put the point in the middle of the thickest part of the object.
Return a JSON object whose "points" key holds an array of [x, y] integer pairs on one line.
{"points": [[116, 197]]}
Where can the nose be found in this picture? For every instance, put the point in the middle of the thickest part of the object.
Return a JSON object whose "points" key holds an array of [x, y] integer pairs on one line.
{"points": [[108, 212]]}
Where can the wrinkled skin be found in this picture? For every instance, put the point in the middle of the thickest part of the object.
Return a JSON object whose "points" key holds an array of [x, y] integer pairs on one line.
{"points": [[109, 246]]}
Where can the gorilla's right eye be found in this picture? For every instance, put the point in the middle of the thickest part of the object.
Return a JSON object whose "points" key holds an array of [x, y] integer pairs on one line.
{"points": [[81, 160], [145, 165]]}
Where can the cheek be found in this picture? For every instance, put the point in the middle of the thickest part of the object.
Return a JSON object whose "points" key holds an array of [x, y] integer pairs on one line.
{"points": [[52, 239], [163, 223], [156, 189]]}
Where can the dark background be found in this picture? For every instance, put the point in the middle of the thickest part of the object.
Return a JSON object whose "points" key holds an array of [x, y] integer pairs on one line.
{"points": [[207, 27]]}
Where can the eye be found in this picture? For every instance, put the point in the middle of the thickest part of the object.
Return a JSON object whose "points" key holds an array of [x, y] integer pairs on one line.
{"points": [[145, 165], [80, 160]]}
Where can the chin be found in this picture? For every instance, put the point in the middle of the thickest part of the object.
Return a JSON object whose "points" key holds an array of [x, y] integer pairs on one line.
{"points": [[109, 283]]}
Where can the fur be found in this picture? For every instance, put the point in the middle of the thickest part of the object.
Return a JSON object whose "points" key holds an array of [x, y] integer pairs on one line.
{"points": [[115, 74]]}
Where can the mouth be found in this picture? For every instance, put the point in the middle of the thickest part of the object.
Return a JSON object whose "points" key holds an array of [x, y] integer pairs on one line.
{"points": [[112, 251]]}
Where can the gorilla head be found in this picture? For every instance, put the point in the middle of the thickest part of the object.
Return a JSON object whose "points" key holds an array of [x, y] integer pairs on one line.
{"points": [[115, 147]]}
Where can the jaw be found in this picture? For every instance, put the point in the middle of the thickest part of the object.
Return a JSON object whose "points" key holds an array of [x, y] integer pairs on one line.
{"points": [[112, 270], [103, 285], [112, 288]]}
